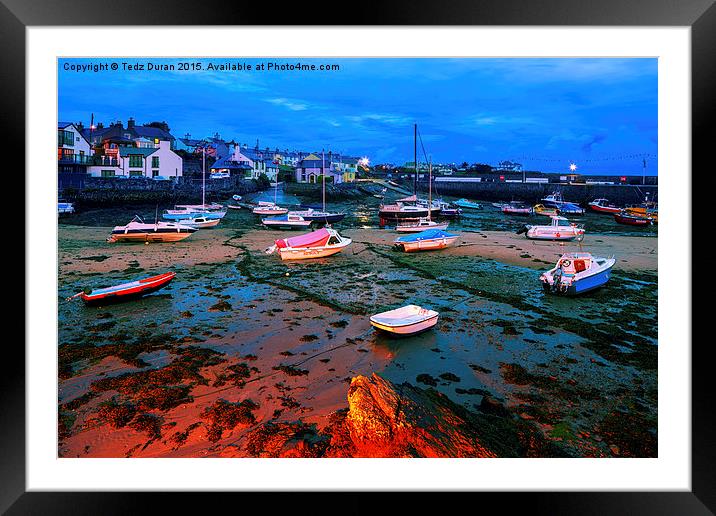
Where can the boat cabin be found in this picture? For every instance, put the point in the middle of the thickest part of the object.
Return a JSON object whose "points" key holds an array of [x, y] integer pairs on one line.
{"points": [[558, 221], [574, 263]]}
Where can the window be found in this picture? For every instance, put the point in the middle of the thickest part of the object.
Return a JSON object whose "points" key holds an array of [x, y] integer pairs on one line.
{"points": [[155, 161], [135, 160], [135, 173], [155, 173], [108, 173], [65, 137]]}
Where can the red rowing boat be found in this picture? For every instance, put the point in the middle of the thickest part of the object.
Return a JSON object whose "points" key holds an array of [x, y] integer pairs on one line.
{"points": [[603, 206], [632, 220], [126, 291]]}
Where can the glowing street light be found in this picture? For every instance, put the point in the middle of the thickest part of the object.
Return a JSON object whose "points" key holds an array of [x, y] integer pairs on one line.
{"points": [[364, 162], [572, 167]]}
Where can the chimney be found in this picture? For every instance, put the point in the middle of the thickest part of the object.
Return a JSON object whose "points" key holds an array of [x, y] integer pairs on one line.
{"points": [[80, 127], [187, 136], [130, 123], [100, 125]]}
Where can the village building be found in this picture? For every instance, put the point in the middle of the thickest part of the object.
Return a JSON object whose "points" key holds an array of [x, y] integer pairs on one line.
{"points": [[73, 149], [129, 161]]}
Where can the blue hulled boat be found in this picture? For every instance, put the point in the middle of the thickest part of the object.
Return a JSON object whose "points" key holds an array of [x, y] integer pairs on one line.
{"points": [[577, 273]]}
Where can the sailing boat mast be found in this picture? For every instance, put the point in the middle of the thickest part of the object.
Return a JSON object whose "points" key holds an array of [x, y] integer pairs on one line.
{"points": [[323, 175], [415, 158], [203, 176], [430, 188]]}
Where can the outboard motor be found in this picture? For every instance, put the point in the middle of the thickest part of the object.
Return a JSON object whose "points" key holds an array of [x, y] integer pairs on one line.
{"points": [[523, 229]]}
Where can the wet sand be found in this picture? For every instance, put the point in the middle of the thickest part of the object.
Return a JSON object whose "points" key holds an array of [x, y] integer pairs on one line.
{"points": [[280, 341]]}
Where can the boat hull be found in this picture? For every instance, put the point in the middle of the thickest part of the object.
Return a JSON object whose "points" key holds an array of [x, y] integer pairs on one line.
{"points": [[632, 220], [261, 211], [148, 236], [606, 210], [133, 290], [525, 212], [426, 245], [308, 253], [405, 330], [582, 286], [287, 225], [326, 219], [213, 215], [548, 234]]}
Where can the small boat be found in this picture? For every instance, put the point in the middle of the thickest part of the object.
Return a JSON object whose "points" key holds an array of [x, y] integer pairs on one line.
{"points": [[577, 273], [317, 244], [406, 320], [468, 205], [236, 197], [632, 219], [381, 194], [555, 200], [125, 291], [447, 211], [138, 231], [287, 221], [541, 209], [233, 206], [421, 224], [428, 240], [185, 214], [197, 208], [603, 206], [319, 216], [569, 208], [559, 229], [64, 208], [200, 222], [268, 208], [517, 208]]}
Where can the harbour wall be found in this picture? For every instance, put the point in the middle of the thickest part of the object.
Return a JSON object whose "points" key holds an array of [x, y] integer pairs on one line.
{"points": [[533, 192], [97, 192]]}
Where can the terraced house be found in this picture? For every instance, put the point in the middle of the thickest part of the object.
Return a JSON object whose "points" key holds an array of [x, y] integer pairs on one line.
{"points": [[132, 161]]}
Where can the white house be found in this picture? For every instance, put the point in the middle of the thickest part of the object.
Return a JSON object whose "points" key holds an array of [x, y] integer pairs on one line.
{"points": [[73, 149], [128, 161]]}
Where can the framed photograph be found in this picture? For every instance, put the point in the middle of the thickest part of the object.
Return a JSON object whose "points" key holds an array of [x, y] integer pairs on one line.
{"points": [[420, 256]]}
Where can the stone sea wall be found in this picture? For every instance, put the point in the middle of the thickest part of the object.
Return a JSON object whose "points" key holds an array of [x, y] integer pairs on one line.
{"points": [[91, 192], [533, 192]]}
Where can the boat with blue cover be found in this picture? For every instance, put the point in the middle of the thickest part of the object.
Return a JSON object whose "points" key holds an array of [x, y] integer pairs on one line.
{"points": [[577, 273], [555, 200], [468, 205], [428, 240]]}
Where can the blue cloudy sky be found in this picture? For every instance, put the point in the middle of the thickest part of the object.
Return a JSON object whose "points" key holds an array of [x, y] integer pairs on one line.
{"points": [[545, 113]]}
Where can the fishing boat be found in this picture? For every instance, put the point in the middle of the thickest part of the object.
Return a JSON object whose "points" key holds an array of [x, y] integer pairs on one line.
{"points": [[577, 273], [468, 205], [200, 222], [428, 240], [603, 206], [559, 229], [541, 209], [406, 320], [631, 219], [517, 208], [499, 205], [65, 208], [138, 231], [555, 200], [125, 291], [287, 221], [317, 244]]}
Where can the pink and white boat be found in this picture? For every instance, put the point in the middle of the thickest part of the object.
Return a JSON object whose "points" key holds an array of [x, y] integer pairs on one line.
{"points": [[317, 244], [406, 320], [269, 208]]}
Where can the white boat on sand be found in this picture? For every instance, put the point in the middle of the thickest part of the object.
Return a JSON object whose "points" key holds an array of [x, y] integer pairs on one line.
{"points": [[317, 244], [559, 229], [269, 208], [406, 320], [421, 225]]}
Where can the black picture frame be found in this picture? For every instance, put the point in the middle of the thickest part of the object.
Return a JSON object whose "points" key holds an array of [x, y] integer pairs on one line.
{"points": [[17, 15]]}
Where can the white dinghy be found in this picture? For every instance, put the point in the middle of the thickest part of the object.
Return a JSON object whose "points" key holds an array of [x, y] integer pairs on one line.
{"points": [[406, 320]]}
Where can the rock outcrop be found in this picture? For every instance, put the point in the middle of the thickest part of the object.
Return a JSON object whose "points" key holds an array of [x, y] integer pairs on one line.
{"points": [[388, 420]]}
